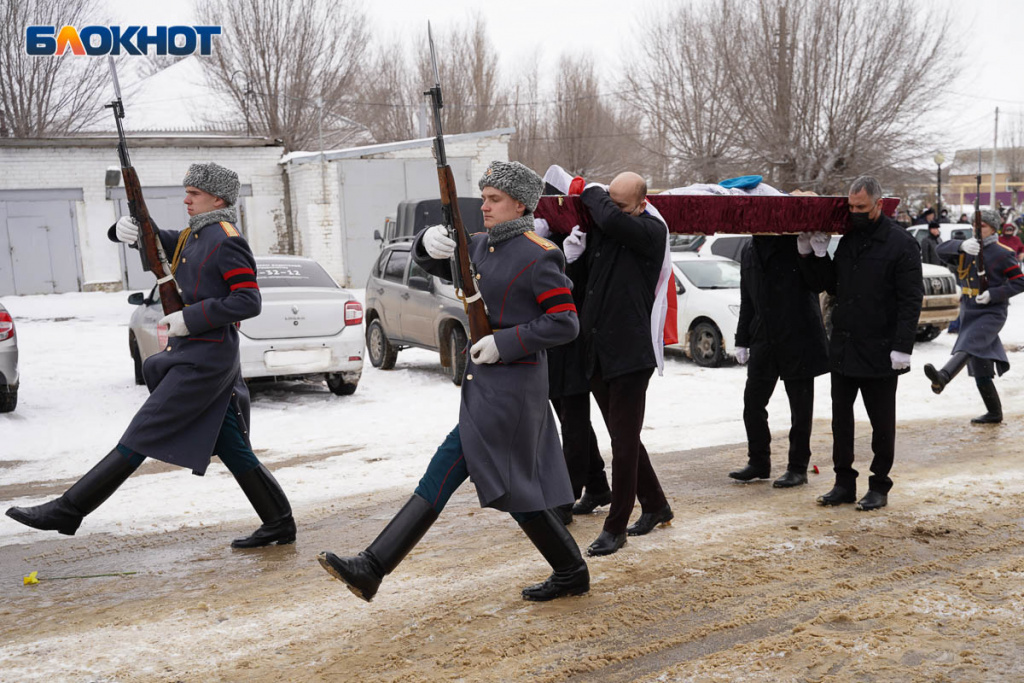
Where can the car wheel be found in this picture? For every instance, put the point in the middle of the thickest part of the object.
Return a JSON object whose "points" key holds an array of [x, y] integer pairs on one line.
{"points": [[133, 348], [383, 353], [706, 345], [456, 355], [8, 399], [338, 386], [928, 333]]}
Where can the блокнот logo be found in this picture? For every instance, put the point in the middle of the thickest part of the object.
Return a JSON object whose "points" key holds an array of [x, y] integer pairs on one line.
{"points": [[113, 40]]}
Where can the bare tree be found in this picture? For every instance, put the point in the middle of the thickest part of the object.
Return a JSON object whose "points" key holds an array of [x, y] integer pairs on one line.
{"points": [[47, 96], [1013, 154], [292, 66], [474, 99], [677, 83], [389, 99]]}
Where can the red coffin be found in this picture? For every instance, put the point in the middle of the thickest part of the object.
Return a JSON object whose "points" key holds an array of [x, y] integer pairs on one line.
{"points": [[709, 214]]}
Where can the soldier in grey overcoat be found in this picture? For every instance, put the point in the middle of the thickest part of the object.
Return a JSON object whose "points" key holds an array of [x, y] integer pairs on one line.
{"points": [[506, 438], [982, 313], [198, 404]]}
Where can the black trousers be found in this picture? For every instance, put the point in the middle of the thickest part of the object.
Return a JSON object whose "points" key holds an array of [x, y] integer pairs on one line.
{"points": [[879, 394], [579, 445], [622, 401], [756, 395]]}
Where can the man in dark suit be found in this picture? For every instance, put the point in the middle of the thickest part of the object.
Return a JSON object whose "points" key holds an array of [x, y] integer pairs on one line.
{"points": [[875, 276]]}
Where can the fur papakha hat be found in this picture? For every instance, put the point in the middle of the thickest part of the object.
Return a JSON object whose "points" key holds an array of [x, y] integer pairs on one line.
{"points": [[515, 180], [992, 218], [215, 179]]}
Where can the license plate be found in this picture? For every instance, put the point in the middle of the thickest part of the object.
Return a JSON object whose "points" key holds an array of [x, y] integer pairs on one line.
{"points": [[300, 357]]}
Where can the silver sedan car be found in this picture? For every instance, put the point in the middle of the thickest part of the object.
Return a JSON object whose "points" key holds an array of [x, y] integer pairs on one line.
{"points": [[8, 363], [309, 327]]}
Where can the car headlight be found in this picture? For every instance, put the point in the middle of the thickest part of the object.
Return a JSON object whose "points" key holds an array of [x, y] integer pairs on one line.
{"points": [[735, 310]]}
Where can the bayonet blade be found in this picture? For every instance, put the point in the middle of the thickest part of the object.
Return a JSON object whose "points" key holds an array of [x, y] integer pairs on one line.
{"points": [[113, 75], [433, 56]]}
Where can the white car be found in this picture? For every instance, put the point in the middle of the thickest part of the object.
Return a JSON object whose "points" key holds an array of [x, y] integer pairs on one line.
{"points": [[9, 378], [309, 326], [708, 303]]}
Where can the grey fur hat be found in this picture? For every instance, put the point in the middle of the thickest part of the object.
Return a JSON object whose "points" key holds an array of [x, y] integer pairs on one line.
{"points": [[992, 218], [515, 180], [215, 179]]}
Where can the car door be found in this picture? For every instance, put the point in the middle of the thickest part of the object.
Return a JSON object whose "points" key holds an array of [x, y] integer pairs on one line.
{"points": [[419, 307], [390, 288]]}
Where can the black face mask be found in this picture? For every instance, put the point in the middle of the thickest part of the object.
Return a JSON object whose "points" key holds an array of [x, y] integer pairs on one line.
{"points": [[860, 220]]}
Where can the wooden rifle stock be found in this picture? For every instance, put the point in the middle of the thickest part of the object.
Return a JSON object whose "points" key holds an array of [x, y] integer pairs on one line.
{"points": [[150, 249], [479, 325]]}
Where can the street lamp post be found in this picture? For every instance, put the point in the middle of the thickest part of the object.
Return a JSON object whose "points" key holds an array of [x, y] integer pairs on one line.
{"points": [[938, 158]]}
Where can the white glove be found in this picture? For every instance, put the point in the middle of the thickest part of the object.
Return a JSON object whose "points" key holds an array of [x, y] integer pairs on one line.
{"points": [[803, 244], [820, 242], [485, 351], [900, 360], [970, 246], [175, 322], [983, 298], [541, 227], [575, 244], [742, 355], [437, 242], [126, 230]]}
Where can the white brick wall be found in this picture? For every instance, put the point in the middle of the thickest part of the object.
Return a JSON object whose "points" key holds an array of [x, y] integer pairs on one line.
{"points": [[84, 167]]}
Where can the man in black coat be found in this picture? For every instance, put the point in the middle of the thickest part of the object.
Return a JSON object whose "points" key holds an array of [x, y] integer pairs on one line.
{"points": [[875, 276], [624, 257], [781, 334], [929, 245]]}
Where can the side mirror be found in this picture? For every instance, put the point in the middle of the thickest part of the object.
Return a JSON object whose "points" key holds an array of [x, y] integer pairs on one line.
{"points": [[679, 287], [377, 236], [419, 283], [137, 299]]}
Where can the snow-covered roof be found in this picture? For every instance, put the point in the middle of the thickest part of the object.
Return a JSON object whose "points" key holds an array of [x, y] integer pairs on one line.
{"points": [[302, 157], [966, 161]]}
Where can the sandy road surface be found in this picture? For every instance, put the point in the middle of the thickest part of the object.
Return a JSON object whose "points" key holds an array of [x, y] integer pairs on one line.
{"points": [[748, 584]]}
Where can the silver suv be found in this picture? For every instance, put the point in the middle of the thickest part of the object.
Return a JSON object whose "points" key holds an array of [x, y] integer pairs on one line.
{"points": [[8, 363], [406, 306]]}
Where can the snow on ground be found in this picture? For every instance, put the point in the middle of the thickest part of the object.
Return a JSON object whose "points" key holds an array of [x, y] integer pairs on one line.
{"points": [[78, 395]]}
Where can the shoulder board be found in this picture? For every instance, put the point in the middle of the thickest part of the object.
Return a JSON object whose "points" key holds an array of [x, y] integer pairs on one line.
{"points": [[229, 229], [538, 240]]}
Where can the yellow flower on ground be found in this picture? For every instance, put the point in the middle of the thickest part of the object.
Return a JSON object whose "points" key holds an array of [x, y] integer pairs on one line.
{"points": [[31, 578]]}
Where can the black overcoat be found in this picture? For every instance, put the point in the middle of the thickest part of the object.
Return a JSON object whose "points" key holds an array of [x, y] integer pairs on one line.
{"points": [[875, 277], [780, 318]]}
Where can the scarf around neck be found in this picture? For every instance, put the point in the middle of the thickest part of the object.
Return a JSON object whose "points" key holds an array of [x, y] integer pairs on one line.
{"points": [[200, 220], [502, 232]]}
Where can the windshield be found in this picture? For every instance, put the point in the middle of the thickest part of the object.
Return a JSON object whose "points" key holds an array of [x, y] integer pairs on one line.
{"points": [[711, 274], [271, 273]]}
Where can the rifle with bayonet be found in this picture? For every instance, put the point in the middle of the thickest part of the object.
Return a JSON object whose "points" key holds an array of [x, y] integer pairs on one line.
{"points": [[150, 248], [463, 271], [979, 260]]}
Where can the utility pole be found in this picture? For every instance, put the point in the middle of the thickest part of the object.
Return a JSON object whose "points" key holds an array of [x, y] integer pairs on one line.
{"points": [[995, 143], [783, 102]]}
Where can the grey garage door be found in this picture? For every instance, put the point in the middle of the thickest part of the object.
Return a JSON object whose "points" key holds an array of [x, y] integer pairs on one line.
{"points": [[167, 209], [39, 251]]}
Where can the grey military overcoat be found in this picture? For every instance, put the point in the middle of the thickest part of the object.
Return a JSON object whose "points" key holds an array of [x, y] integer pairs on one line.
{"points": [[509, 434], [197, 378]]}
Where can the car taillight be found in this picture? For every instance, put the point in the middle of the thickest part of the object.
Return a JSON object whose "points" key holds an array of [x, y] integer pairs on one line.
{"points": [[6, 326], [353, 313]]}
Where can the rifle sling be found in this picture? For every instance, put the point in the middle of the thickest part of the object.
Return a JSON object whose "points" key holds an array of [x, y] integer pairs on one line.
{"points": [[182, 239]]}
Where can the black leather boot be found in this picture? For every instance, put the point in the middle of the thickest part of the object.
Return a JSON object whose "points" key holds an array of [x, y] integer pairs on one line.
{"points": [[564, 513], [993, 405], [271, 505], [940, 378], [364, 572], [590, 502], [64, 515], [556, 544], [648, 520]]}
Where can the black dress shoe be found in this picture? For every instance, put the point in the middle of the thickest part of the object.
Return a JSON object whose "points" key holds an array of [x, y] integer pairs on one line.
{"points": [[789, 480], [590, 502], [606, 544], [873, 501], [751, 472], [837, 496], [649, 520]]}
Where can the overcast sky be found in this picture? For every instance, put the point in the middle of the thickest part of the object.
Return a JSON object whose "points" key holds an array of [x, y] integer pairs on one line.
{"points": [[991, 32]]}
